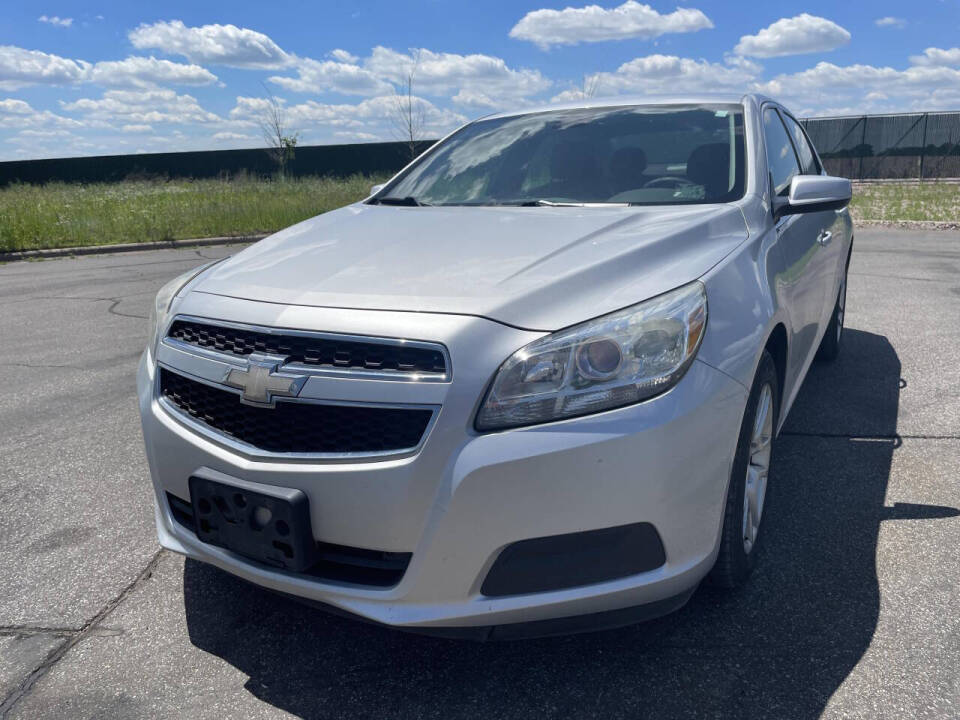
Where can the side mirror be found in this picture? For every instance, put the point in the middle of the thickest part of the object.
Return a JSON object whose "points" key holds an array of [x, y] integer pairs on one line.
{"points": [[813, 193], [376, 188]]}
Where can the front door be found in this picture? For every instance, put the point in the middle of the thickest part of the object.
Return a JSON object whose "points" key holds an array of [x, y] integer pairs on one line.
{"points": [[806, 277]]}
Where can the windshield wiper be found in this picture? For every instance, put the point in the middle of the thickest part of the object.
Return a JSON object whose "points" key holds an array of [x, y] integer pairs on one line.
{"points": [[551, 203], [407, 201], [548, 203]]}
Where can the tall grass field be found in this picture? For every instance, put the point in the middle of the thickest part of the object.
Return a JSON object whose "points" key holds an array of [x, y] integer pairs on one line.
{"points": [[71, 215]]}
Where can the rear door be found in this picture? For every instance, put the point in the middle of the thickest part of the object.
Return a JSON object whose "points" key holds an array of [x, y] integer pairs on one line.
{"points": [[805, 280]]}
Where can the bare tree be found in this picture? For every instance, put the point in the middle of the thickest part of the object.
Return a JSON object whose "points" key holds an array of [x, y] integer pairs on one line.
{"points": [[280, 138], [589, 87], [408, 116]]}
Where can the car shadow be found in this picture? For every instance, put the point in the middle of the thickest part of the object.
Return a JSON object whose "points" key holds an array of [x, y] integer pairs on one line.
{"points": [[779, 647]]}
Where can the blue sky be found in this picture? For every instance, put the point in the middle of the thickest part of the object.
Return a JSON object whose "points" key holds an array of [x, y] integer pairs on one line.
{"points": [[115, 77]]}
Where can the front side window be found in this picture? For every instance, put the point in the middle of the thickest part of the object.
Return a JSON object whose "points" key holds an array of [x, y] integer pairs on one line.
{"points": [[808, 160], [781, 159], [643, 155]]}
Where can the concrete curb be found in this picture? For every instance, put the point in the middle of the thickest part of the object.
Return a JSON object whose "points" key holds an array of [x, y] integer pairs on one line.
{"points": [[126, 247]]}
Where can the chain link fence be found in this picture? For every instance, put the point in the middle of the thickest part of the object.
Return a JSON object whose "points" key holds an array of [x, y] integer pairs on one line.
{"points": [[916, 146]]}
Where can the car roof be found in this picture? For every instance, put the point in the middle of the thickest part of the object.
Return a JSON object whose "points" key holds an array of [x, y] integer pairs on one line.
{"points": [[627, 100]]}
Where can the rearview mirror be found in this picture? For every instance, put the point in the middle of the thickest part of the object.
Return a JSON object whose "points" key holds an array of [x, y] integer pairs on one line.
{"points": [[376, 188], [813, 193]]}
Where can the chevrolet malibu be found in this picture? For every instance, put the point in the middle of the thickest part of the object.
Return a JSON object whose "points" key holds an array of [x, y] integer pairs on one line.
{"points": [[527, 387]]}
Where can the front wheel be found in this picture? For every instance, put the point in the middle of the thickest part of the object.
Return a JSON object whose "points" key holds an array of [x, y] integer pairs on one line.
{"points": [[748, 480]]}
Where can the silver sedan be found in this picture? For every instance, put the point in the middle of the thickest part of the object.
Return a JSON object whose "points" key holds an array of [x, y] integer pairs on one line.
{"points": [[529, 386]]}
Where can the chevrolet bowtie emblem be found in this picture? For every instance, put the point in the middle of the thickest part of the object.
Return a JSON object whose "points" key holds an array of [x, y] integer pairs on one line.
{"points": [[262, 382]]}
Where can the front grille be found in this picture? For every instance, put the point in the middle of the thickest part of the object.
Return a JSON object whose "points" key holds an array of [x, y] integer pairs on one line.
{"points": [[339, 563], [297, 427], [337, 353]]}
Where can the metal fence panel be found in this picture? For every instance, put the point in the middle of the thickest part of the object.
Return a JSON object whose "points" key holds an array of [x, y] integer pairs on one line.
{"points": [[334, 160], [904, 146]]}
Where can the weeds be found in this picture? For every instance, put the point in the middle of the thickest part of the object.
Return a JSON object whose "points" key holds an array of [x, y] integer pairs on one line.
{"points": [[906, 202], [73, 215]]}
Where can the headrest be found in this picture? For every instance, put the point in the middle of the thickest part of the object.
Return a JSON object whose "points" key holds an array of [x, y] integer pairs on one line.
{"points": [[709, 165], [627, 164]]}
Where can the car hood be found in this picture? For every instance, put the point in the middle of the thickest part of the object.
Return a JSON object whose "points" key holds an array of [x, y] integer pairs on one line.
{"points": [[540, 268]]}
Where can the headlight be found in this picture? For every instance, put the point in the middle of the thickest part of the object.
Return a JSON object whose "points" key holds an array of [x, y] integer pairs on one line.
{"points": [[164, 299], [608, 362]]}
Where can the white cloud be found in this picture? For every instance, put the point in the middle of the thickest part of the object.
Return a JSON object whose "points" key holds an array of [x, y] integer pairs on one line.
{"points": [[33, 137], [44, 133], [476, 79], [593, 23], [355, 136], [136, 128], [827, 88], [937, 56], [669, 74], [250, 109], [21, 68], [214, 44], [142, 107], [20, 115], [569, 95], [144, 71], [794, 36], [54, 20], [439, 73], [891, 22], [227, 136], [344, 57], [476, 99], [11, 106], [316, 76]]}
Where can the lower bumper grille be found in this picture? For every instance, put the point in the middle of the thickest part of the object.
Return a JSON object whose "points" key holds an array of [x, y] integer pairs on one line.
{"points": [[338, 563], [575, 559], [297, 427]]}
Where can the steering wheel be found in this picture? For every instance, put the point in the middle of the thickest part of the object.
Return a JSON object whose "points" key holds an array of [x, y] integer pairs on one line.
{"points": [[669, 181]]}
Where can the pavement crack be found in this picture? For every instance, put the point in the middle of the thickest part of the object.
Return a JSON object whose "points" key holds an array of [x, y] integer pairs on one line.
{"points": [[28, 630], [88, 629], [20, 630], [113, 310], [42, 366]]}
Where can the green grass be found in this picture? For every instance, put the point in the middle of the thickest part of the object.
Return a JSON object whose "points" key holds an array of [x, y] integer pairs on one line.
{"points": [[899, 202], [71, 215]]}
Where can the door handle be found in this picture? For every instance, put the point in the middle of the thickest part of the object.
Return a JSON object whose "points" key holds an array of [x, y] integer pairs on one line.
{"points": [[824, 237]]}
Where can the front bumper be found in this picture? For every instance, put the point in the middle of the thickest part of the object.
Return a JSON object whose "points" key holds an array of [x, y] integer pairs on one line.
{"points": [[463, 497]]}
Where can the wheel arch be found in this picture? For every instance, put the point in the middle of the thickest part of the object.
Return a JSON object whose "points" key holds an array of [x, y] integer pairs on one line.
{"points": [[777, 346]]}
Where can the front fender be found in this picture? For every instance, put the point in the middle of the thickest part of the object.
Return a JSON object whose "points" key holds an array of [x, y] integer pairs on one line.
{"points": [[743, 307]]}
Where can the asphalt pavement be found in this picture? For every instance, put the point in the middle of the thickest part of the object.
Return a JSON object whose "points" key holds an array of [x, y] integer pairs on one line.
{"points": [[853, 612]]}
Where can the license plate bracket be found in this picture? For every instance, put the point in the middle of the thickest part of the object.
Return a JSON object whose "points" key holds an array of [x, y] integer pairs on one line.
{"points": [[268, 524]]}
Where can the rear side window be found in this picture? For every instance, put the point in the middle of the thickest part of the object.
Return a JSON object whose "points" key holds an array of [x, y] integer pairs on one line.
{"points": [[781, 159], [808, 160]]}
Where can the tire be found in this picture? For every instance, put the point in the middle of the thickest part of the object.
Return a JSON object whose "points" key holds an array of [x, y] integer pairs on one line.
{"points": [[739, 543], [830, 345]]}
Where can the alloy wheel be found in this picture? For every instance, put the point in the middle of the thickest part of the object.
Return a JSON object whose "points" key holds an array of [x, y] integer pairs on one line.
{"points": [[758, 468]]}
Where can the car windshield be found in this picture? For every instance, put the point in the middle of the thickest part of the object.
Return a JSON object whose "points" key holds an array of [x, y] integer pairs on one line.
{"points": [[637, 155]]}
